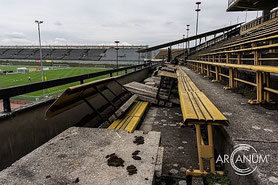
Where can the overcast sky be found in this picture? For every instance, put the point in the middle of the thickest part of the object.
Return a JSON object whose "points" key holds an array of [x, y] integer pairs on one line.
{"points": [[103, 21]]}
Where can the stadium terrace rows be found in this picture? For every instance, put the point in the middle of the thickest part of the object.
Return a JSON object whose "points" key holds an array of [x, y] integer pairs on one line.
{"points": [[84, 54]]}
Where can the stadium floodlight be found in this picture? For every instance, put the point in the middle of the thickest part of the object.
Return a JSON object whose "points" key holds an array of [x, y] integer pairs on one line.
{"points": [[197, 22], [117, 50], [39, 32]]}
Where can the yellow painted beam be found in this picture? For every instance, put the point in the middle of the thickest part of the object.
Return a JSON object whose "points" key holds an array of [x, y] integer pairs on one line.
{"points": [[269, 46], [247, 42], [269, 69]]}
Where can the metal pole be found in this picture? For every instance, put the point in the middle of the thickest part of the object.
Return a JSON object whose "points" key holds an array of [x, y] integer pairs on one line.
{"points": [[183, 46], [246, 16], [117, 49], [39, 32], [187, 29], [117, 58], [139, 57], [197, 22]]}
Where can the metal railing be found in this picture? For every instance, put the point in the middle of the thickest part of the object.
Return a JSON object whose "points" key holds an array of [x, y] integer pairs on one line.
{"points": [[214, 41], [259, 20], [7, 93], [46, 46]]}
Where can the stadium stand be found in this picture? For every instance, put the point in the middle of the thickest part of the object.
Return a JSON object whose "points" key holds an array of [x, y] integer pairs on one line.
{"points": [[93, 54], [163, 53], [125, 54], [187, 109], [103, 53], [255, 50], [57, 53], [25, 53], [75, 54], [10, 53]]}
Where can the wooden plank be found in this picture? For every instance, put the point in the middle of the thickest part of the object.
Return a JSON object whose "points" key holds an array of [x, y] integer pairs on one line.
{"points": [[167, 74], [132, 118], [133, 124]]}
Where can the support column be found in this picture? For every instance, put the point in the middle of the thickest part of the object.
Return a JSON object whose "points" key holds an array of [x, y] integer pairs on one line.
{"points": [[220, 71], [210, 144], [259, 81], [239, 58], [266, 77], [7, 105], [216, 74], [199, 145], [235, 76], [257, 56], [231, 79], [228, 58]]}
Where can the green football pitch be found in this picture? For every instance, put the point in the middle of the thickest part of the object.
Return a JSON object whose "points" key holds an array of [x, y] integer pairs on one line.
{"points": [[20, 79]]}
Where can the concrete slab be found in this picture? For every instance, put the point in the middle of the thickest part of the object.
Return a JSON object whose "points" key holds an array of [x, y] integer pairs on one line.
{"points": [[179, 144], [80, 156]]}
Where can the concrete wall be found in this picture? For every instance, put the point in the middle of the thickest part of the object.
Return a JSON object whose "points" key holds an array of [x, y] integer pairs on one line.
{"points": [[26, 129]]}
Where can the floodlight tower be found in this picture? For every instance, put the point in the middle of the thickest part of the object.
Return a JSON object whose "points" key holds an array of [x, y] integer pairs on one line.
{"points": [[187, 32], [139, 56], [183, 45], [197, 22], [117, 50], [39, 32]]}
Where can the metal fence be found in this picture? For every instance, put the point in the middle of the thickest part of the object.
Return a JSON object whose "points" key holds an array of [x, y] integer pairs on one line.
{"points": [[9, 92]]}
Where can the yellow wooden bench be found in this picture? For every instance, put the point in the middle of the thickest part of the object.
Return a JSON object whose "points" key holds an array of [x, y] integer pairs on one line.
{"points": [[198, 110], [185, 84], [131, 119]]}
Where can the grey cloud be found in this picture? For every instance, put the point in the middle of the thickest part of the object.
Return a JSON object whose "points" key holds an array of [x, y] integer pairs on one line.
{"points": [[94, 22], [58, 23], [15, 35]]}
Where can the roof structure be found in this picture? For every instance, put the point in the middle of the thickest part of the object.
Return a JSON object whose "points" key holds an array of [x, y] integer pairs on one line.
{"points": [[251, 5], [213, 32]]}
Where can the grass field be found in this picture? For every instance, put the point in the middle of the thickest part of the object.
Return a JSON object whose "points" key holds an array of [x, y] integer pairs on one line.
{"points": [[20, 79]]}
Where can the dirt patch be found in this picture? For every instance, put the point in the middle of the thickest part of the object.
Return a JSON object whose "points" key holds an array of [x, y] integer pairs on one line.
{"points": [[76, 180], [136, 152], [114, 160], [135, 155], [139, 140], [131, 170]]}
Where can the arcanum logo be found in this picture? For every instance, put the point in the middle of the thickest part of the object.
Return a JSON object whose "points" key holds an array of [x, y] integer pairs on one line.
{"points": [[242, 154]]}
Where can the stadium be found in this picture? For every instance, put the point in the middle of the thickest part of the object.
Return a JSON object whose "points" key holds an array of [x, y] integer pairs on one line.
{"points": [[200, 109]]}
